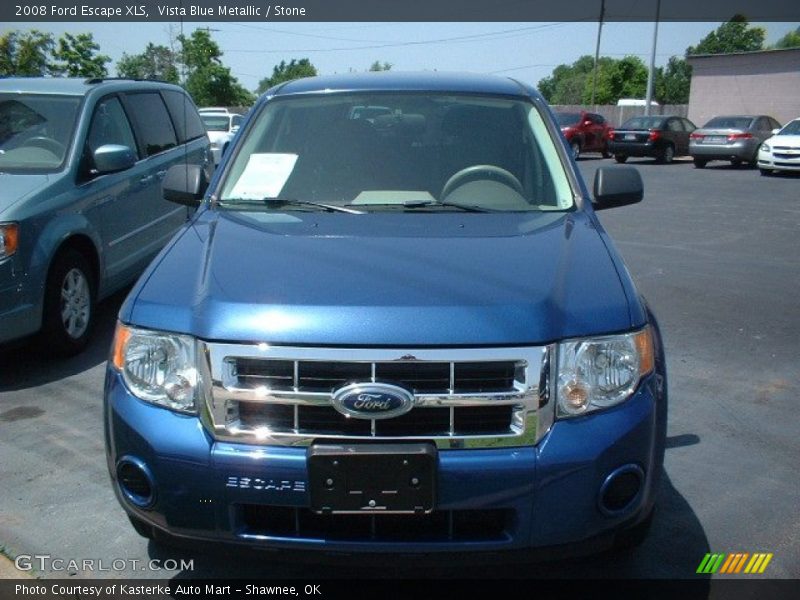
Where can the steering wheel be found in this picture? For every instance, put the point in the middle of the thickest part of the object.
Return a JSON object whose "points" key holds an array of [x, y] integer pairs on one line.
{"points": [[488, 172], [46, 143]]}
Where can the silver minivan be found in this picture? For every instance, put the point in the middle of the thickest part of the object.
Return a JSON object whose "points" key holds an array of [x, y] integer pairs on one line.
{"points": [[81, 211]]}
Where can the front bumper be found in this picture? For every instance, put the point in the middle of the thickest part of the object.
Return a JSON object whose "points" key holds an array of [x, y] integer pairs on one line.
{"points": [[781, 162], [546, 495], [19, 314]]}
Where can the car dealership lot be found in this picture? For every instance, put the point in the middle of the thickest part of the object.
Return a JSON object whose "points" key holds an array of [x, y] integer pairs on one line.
{"points": [[716, 253]]}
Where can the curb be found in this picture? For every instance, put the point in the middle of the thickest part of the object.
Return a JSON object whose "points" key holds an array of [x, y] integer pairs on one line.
{"points": [[9, 571]]}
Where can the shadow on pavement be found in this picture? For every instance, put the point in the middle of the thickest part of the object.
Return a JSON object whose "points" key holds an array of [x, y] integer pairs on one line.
{"points": [[25, 365]]}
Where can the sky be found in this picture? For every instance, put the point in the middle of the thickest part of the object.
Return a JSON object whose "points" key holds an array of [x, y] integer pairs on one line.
{"points": [[526, 51]]}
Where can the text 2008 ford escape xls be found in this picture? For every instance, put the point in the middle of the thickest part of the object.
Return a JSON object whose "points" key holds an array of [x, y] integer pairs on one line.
{"points": [[394, 324]]}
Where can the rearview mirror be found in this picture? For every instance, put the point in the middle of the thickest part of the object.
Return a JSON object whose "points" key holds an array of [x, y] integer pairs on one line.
{"points": [[184, 184], [617, 186], [111, 158]]}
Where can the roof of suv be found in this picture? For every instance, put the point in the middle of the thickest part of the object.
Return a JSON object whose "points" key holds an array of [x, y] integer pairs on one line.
{"points": [[69, 86], [399, 81]]}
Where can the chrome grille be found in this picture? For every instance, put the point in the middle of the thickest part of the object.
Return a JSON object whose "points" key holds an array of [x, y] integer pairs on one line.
{"points": [[463, 398]]}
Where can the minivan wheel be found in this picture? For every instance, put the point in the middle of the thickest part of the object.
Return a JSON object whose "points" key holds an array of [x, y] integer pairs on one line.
{"points": [[699, 163], [620, 158], [765, 172], [68, 304]]}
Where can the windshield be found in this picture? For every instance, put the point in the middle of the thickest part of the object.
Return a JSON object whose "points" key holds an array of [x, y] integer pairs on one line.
{"points": [[35, 131], [643, 123], [791, 128], [215, 122], [565, 119], [386, 151], [729, 123]]}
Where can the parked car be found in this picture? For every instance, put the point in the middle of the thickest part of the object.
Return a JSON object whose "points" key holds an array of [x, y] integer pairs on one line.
{"points": [[81, 210], [734, 138], [584, 132], [406, 335], [221, 125], [781, 152], [661, 137]]}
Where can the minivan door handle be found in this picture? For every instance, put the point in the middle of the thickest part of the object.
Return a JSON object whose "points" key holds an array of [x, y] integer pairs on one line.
{"points": [[146, 179]]}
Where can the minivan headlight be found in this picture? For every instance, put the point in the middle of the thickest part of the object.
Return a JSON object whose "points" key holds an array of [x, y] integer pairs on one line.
{"points": [[158, 367], [9, 239], [596, 373], [765, 147]]}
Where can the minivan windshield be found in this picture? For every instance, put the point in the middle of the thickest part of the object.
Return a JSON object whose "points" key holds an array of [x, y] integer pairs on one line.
{"points": [[35, 131], [420, 152]]}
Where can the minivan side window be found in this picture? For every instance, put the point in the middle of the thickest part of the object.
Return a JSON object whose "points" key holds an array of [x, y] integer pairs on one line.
{"points": [[154, 129], [184, 115]]}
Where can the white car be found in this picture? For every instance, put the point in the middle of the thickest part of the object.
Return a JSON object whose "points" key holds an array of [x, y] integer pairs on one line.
{"points": [[781, 152], [221, 125]]}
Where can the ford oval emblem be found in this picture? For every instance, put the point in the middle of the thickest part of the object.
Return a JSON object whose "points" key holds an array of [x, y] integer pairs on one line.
{"points": [[372, 400]]}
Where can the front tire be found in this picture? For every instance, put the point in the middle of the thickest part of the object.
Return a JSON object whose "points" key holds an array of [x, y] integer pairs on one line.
{"points": [[699, 163], [575, 149], [68, 304], [765, 172], [620, 158]]}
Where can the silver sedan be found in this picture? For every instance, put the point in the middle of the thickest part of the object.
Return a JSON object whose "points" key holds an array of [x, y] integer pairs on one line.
{"points": [[735, 138]]}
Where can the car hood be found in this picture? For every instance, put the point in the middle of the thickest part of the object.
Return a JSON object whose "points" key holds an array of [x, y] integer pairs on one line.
{"points": [[385, 279], [15, 187], [784, 140]]}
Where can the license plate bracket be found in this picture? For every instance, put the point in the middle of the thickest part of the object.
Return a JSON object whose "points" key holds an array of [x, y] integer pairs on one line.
{"points": [[372, 478]]}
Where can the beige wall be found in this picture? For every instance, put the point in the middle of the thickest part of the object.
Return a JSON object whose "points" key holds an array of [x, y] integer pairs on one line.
{"points": [[749, 83]]}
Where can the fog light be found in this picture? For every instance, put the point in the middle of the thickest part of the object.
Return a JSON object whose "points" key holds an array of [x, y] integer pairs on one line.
{"points": [[135, 482], [621, 489]]}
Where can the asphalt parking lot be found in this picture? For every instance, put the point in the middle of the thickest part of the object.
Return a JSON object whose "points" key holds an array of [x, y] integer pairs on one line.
{"points": [[715, 251]]}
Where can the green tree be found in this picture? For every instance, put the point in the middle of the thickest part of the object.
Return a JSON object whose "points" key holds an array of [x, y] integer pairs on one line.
{"points": [[572, 84], [207, 79], [25, 53], [380, 66], [672, 83], [156, 62], [734, 36], [294, 69], [790, 40], [78, 57]]}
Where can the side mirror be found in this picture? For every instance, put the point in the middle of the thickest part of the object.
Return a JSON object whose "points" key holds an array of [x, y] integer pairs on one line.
{"points": [[110, 158], [617, 186], [184, 184], [587, 123], [776, 131], [234, 129]]}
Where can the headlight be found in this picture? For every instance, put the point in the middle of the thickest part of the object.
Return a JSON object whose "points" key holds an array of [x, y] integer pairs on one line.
{"points": [[765, 147], [9, 239], [600, 372], [157, 367]]}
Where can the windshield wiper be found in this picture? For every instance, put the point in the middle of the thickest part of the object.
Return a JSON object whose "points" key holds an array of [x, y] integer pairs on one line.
{"points": [[433, 203], [279, 201]]}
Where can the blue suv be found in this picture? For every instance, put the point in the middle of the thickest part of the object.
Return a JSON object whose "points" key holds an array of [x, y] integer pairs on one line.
{"points": [[81, 209], [402, 331]]}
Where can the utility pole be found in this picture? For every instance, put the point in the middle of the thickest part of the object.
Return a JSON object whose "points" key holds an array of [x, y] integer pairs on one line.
{"points": [[597, 50], [651, 73]]}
